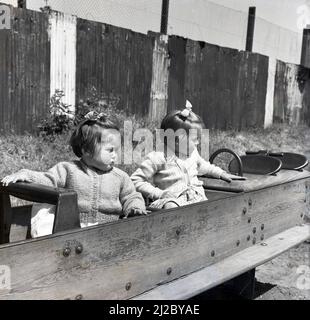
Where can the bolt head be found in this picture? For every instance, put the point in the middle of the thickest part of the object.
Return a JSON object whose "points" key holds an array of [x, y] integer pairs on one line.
{"points": [[66, 252], [79, 249]]}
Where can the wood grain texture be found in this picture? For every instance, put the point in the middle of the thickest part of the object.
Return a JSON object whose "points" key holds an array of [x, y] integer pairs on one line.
{"points": [[119, 59], [227, 87], [24, 62], [141, 250], [228, 268]]}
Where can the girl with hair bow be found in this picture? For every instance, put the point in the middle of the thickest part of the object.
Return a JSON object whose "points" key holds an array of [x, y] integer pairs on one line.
{"points": [[169, 178]]}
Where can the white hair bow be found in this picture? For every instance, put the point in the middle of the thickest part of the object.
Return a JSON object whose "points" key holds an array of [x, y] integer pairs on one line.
{"points": [[93, 115], [188, 108]]}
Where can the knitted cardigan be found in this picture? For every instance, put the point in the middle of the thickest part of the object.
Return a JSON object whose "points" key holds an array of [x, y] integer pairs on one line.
{"points": [[159, 173], [102, 196]]}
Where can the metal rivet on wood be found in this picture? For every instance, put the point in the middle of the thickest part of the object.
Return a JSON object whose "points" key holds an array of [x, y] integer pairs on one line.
{"points": [[128, 286], [66, 252], [79, 249]]}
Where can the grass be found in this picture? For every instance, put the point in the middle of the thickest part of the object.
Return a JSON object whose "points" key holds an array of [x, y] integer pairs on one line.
{"points": [[37, 153]]}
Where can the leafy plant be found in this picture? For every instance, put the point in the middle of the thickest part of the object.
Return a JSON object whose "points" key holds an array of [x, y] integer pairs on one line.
{"points": [[60, 119]]}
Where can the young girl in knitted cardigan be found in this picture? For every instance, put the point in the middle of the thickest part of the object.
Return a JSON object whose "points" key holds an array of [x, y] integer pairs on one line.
{"points": [[170, 178], [104, 192]]}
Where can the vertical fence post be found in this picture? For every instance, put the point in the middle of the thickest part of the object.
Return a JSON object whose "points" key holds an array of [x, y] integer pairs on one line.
{"points": [[164, 17], [305, 51], [250, 31], [22, 4]]}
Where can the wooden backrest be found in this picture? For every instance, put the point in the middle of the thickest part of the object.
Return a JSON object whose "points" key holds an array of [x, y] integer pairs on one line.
{"points": [[18, 219]]}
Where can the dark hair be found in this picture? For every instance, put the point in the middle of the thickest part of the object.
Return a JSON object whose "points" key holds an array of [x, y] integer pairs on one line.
{"points": [[175, 120], [88, 135]]}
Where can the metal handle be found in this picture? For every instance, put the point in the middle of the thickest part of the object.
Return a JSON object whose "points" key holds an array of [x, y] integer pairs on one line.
{"points": [[216, 153]]}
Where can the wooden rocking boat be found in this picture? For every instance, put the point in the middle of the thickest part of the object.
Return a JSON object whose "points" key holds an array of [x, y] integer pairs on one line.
{"points": [[172, 254]]}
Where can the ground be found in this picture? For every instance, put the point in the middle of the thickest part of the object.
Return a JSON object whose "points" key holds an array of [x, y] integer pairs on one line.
{"points": [[281, 278], [278, 279]]}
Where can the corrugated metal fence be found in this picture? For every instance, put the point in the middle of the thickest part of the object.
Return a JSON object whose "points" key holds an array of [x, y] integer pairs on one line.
{"points": [[25, 71], [144, 75]]}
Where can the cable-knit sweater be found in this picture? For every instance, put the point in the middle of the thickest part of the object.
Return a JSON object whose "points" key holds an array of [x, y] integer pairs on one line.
{"points": [[102, 196]]}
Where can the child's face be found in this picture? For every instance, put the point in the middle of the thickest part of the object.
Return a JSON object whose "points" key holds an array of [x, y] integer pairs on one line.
{"points": [[187, 143], [105, 154]]}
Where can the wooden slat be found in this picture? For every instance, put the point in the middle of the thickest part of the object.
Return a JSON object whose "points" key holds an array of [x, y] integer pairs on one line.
{"points": [[29, 74], [229, 268], [185, 239], [5, 218], [117, 61], [227, 87]]}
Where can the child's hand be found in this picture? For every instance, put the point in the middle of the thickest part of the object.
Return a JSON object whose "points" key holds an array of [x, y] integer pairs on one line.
{"points": [[137, 212], [230, 177], [167, 195], [234, 177], [226, 177], [13, 178]]}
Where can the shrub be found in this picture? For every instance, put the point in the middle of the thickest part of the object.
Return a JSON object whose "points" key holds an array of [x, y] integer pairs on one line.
{"points": [[60, 119]]}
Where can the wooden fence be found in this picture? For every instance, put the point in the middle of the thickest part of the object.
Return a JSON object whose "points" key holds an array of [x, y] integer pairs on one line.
{"points": [[145, 75]]}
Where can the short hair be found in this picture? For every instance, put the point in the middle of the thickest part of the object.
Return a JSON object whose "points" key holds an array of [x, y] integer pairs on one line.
{"points": [[88, 135], [175, 121]]}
